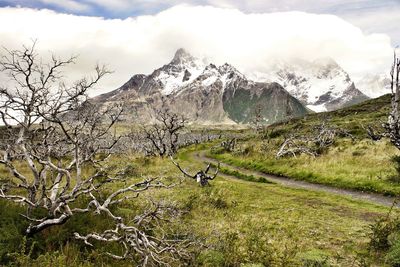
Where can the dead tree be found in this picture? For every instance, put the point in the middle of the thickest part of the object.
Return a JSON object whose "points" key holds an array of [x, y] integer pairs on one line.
{"points": [[289, 112], [314, 145], [257, 119], [392, 127], [46, 122], [56, 147], [201, 176], [372, 133], [164, 134], [293, 146], [229, 145], [269, 132], [133, 237]]}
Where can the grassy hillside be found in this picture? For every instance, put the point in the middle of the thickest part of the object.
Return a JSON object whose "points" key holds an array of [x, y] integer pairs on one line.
{"points": [[358, 163], [352, 118]]}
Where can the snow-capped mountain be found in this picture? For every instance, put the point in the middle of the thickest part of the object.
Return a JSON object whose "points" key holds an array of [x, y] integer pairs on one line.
{"points": [[322, 85], [183, 69], [204, 93], [374, 85]]}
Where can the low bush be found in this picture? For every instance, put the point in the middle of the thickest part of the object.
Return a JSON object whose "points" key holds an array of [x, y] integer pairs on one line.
{"points": [[315, 258], [396, 161]]}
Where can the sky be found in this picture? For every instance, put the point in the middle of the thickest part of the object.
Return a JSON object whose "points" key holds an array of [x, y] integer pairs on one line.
{"points": [[137, 36]]}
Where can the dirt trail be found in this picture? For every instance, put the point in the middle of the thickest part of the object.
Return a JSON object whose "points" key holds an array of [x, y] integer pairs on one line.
{"points": [[288, 182]]}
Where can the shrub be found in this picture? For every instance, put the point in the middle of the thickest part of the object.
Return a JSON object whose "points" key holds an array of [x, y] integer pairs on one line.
{"points": [[130, 170], [396, 161], [218, 198], [248, 247], [275, 133], [393, 256], [315, 258], [358, 153], [379, 238], [384, 231], [12, 227], [211, 258]]}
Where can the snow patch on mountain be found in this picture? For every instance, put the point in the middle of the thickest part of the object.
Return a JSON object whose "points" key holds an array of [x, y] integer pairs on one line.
{"points": [[182, 70], [211, 76], [317, 108], [185, 70], [318, 84]]}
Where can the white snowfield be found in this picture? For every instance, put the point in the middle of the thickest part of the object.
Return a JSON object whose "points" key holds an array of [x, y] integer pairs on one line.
{"points": [[172, 76], [173, 80]]}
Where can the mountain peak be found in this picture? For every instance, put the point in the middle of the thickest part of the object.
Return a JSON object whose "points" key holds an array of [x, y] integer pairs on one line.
{"points": [[229, 69], [326, 62], [181, 55]]}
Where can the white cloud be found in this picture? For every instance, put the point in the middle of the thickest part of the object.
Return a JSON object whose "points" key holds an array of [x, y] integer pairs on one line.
{"points": [[141, 44], [371, 15], [384, 20], [118, 4], [68, 5]]}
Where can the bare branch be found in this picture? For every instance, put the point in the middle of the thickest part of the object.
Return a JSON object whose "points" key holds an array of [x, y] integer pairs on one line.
{"points": [[201, 176]]}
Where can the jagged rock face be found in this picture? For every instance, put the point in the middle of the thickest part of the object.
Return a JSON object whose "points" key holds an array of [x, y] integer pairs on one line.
{"points": [[321, 85], [204, 93], [276, 104]]}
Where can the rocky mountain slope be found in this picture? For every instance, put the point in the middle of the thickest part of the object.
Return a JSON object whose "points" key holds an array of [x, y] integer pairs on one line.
{"points": [[205, 93], [321, 85]]}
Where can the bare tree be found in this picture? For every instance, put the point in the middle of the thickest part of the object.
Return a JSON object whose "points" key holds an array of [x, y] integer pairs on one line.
{"points": [[46, 122], [295, 145], [201, 176], [56, 146], [257, 118], [323, 137], [372, 133], [392, 127], [269, 132], [164, 134], [289, 112], [137, 244], [229, 145]]}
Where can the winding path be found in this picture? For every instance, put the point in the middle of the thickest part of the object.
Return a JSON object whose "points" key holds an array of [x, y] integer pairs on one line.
{"points": [[288, 182]]}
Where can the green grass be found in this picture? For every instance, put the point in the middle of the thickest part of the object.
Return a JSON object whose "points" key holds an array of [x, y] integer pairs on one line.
{"points": [[242, 176], [287, 224], [239, 222], [364, 165], [358, 164], [240, 219], [353, 118]]}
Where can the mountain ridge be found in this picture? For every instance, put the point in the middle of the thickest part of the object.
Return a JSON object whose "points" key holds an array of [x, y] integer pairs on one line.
{"points": [[321, 84], [208, 93]]}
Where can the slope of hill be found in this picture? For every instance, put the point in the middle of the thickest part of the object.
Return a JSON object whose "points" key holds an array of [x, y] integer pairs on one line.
{"points": [[353, 118], [356, 163]]}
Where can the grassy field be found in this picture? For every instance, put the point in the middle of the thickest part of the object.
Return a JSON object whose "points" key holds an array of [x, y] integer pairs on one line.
{"points": [[258, 223], [242, 220], [364, 165], [359, 164], [240, 223]]}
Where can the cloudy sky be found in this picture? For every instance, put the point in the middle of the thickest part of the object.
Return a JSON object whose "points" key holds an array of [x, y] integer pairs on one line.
{"points": [[137, 36]]}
